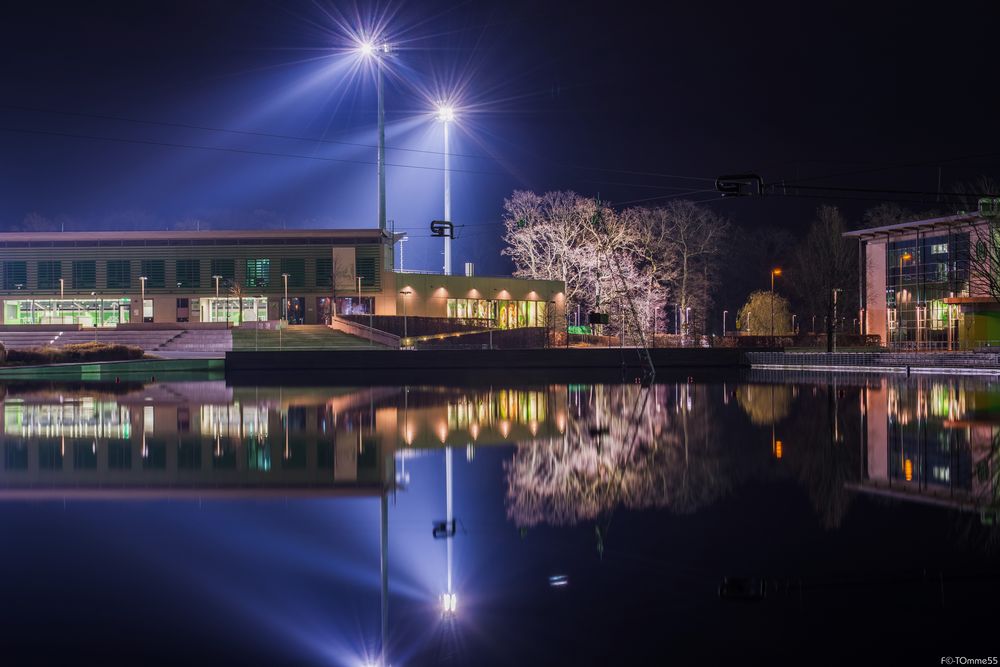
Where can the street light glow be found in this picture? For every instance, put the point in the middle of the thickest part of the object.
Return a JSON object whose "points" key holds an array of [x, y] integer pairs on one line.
{"points": [[366, 49], [445, 113], [449, 602]]}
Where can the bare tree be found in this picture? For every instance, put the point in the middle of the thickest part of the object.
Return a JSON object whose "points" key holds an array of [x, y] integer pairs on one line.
{"points": [[237, 292], [695, 236], [824, 261]]}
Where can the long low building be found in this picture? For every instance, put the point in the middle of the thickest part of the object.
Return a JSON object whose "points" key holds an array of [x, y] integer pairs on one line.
{"points": [[304, 276]]}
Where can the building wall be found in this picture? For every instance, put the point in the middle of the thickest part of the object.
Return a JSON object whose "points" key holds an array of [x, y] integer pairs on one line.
{"points": [[430, 292], [362, 253], [875, 284]]}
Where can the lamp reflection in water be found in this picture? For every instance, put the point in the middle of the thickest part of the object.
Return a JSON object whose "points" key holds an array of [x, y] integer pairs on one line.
{"points": [[449, 601]]}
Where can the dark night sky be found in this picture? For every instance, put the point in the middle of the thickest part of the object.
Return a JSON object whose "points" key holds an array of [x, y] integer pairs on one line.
{"points": [[572, 95]]}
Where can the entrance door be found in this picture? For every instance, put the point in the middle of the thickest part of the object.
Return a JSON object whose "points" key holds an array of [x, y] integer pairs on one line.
{"points": [[296, 310]]}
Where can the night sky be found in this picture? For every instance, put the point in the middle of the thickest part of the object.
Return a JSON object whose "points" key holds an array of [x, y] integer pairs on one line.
{"points": [[112, 113]]}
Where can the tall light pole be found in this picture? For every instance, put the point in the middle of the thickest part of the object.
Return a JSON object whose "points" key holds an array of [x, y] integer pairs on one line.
{"points": [[905, 257], [724, 313], [284, 277], [378, 52], [774, 272], [446, 114], [142, 299]]}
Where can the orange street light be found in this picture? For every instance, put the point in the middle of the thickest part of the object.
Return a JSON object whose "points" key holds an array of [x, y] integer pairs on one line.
{"points": [[774, 272], [905, 257]]}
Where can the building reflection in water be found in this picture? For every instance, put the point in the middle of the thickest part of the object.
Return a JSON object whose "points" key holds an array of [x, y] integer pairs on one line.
{"points": [[933, 440]]}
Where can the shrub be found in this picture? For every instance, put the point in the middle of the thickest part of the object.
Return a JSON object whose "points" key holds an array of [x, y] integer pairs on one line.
{"points": [[82, 352]]}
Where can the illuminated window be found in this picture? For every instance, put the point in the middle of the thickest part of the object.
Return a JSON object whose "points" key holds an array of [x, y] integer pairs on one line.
{"points": [[939, 249], [258, 272]]}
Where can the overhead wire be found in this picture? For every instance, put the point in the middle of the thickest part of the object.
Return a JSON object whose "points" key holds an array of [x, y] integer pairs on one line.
{"points": [[319, 140]]}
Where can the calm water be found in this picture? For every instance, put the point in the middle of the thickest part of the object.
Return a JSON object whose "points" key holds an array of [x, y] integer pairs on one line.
{"points": [[195, 522]]}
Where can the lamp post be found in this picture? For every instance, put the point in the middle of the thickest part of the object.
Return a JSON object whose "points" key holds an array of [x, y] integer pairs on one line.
{"points": [[142, 299], [216, 304], [446, 114], [774, 272], [905, 257], [284, 277], [62, 289], [405, 293], [379, 52], [371, 323], [724, 313]]}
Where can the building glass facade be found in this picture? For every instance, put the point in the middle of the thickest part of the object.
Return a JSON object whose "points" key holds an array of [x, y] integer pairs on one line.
{"points": [[921, 273], [86, 312]]}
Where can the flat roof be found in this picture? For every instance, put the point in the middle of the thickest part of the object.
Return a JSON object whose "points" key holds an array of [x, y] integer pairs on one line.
{"points": [[191, 234], [915, 225]]}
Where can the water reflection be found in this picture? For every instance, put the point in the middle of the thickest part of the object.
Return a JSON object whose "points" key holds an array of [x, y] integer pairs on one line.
{"points": [[579, 451], [934, 441], [549, 456]]}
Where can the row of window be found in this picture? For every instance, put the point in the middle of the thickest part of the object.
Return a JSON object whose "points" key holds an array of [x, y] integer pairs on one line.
{"points": [[505, 314], [188, 273]]}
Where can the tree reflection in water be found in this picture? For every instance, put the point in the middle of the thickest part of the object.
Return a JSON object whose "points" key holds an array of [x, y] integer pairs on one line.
{"points": [[618, 449], [689, 449]]}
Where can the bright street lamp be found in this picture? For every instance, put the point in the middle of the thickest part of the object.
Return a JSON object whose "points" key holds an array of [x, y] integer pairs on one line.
{"points": [[378, 53], [446, 115], [774, 272]]}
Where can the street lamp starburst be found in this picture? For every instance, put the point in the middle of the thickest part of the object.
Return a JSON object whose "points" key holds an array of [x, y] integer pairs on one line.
{"points": [[445, 112]]}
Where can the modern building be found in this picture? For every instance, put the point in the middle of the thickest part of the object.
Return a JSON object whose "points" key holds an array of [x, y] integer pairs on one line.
{"points": [[111, 278], [918, 290]]}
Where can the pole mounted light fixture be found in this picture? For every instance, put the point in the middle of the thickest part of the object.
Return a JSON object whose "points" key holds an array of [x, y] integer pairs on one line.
{"points": [[774, 272], [446, 115], [378, 50]]}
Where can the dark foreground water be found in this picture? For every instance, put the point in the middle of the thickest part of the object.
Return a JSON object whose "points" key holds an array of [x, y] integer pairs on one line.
{"points": [[194, 522]]}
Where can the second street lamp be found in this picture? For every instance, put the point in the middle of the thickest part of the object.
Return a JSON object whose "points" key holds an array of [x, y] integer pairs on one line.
{"points": [[405, 293], [446, 114]]}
